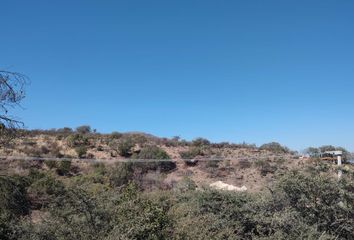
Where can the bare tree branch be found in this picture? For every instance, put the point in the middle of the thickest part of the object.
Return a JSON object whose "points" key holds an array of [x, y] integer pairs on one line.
{"points": [[12, 91]]}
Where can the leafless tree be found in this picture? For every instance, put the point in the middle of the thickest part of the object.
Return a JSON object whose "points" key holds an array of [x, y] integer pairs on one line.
{"points": [[11, 93]]}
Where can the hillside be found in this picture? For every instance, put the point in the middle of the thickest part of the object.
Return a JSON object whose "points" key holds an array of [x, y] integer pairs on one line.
{"points": [[199, 160], [83, 185]]}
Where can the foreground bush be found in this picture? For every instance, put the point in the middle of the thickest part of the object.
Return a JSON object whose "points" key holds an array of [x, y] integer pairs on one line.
{"points": [[13, 205], [299, 206]]}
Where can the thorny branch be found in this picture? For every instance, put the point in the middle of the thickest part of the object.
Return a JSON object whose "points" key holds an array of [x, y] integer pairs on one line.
{"points": [[12, 91]]}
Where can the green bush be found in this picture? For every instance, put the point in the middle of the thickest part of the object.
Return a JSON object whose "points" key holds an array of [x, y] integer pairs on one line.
{"points": [[43, 190], [125, 147], [73, 215], [121, 174], [321, 201], [140, 218], [13, 198], [186, 184], [199, 142], [84, 129], [191, 153], [64, 168], [81, 151], [75, 140], [274, 147], [116, 135], [297, 206], [51, 164], [154, 153], [265, 167]]}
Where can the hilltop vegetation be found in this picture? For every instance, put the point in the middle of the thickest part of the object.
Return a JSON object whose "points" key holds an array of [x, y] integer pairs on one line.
{"points": [[230, 162]]}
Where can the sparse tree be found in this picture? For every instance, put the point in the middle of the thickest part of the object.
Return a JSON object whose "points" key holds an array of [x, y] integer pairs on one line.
{"points": [[275, 147], [84, 129], [312, 151], [11, 93], [198, 142]]}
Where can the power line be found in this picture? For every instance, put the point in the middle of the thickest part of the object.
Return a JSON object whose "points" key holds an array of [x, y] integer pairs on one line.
{"points": [[129, 160]]}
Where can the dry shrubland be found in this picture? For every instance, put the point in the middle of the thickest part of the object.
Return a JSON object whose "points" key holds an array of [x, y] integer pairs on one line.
{"points": [[121, 198]]}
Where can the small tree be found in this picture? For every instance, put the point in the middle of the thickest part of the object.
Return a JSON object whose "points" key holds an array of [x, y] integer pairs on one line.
{"points": [[312, 151], [199, 142], [275, 148], [84, 129]]}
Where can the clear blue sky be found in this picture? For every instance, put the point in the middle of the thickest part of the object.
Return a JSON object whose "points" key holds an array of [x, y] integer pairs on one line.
{"points": [[254, 71]]}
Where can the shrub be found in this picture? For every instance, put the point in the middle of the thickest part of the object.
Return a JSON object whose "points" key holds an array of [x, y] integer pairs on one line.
{"points": [[13, 199], [321, 201], [50, 164], [141, 218], [13, 205], [121, 174], [43, 190], [265, 167], [44, 150], [138, 138], [186, 184], [125, 147], [155, 153], [152, 152], [116, 135], [84, 129], [81, 151], [245, 164], [313, 152], [99, 169], [191, 153], [65, 130], [199, 142], [76, 140], [212, 163], [64, 167], [73, 215], [31, 151], [55, 150], [275, 148]]}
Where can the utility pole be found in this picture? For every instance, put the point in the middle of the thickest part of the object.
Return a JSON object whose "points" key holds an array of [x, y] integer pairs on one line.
{"points": [[339, 155]]}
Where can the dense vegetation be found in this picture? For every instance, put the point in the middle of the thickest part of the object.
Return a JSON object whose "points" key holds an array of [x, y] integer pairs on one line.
{"points": [[119, 203]]}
